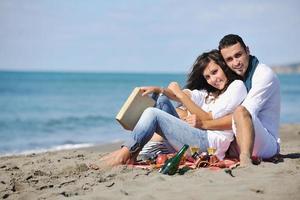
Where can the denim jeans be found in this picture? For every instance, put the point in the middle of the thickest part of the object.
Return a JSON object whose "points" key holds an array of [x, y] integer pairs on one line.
{"points": [[164, 120]]}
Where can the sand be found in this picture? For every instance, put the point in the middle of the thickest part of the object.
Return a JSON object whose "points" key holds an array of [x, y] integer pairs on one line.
{"points": [[64, 175]]}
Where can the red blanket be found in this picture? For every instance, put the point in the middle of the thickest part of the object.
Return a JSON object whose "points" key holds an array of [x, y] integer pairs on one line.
{"points": [[213, 164]]}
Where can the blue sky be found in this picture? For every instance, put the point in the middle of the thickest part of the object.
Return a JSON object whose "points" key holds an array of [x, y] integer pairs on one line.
{"points": [[140, 36]]}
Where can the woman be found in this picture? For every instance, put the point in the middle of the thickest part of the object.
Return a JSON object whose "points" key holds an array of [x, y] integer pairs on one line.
{"points": [[213, 91]]}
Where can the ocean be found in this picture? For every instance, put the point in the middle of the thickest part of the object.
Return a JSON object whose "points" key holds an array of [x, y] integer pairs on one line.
{"points": [[42, 111]]}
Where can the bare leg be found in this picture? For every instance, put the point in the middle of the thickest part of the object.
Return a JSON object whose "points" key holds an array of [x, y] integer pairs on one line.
{"points": [[245, 134]]}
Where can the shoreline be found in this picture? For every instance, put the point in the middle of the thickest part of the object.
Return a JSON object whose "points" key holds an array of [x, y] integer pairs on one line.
{"points": [[101, 146], [88, 145], [63, 148], [60, 174]]}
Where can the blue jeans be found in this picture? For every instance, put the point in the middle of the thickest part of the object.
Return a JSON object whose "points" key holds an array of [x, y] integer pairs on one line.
{"points": [[164, 120]]}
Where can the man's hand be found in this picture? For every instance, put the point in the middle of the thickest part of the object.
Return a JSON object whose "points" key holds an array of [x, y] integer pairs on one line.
{"points": [[193, 121]]}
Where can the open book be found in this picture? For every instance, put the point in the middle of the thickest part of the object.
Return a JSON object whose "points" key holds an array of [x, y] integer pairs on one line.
{"points": [[133, 108]]}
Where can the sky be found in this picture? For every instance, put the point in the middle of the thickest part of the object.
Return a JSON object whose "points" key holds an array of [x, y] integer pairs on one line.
{"points": [[141, 35]]}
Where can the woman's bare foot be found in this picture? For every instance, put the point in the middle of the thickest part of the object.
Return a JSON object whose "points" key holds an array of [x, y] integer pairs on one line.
{"points": [[119, 157]]}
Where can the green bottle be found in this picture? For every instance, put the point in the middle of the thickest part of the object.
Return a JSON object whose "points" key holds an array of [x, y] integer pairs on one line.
{"points": [[172, 164]]}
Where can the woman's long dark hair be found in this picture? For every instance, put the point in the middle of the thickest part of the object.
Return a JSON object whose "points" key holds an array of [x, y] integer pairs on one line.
{"points": [[196, 79]]}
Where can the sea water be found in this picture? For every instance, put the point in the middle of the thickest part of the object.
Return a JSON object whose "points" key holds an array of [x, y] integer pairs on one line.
{"points": [[52, 111]]}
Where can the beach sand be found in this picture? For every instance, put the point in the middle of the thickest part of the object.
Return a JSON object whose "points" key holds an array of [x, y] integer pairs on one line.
{"points": [[64, 175]]}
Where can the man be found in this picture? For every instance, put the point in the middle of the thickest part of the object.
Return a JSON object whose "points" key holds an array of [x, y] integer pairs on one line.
{"points": [[256, 121]]}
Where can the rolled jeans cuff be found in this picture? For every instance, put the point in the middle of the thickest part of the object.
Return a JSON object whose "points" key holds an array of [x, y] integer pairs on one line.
{"points": [[133, 147]]}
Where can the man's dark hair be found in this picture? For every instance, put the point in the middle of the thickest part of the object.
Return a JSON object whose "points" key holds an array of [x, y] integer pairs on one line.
{"points": [[229, 40]]}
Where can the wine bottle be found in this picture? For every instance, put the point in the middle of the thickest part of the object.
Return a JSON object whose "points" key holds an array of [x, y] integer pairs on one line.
{"points": [[172, 164]]}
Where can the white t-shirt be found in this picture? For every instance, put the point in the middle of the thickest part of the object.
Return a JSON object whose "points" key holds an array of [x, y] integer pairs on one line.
{"points": [[263, 103], [225, 104]]}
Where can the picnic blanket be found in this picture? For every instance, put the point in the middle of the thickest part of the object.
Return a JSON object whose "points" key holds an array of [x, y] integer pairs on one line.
{"points": [[211, 163]]}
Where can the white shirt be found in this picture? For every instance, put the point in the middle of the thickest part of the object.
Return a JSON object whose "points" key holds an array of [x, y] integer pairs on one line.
{"points": [[225, 104]]}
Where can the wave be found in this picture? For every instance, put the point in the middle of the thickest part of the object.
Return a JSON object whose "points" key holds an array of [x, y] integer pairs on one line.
{"points": [[51, 149], [50, 125], [89, 120]]}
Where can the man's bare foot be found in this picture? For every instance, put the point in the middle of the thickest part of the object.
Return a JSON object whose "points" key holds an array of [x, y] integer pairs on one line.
{"points": [[119, 157], [245, 160]]}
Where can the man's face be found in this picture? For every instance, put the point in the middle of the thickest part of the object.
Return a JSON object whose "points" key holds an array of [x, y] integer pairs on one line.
{"points": [[237, 58]]}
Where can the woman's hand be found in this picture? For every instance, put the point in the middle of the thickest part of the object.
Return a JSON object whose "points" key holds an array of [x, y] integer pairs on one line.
{"points": [[175, 88], [150, 89]]}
